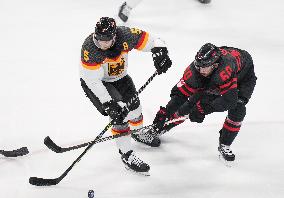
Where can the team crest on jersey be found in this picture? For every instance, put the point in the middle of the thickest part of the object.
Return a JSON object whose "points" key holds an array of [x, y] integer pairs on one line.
{"points": [[116, 68]]}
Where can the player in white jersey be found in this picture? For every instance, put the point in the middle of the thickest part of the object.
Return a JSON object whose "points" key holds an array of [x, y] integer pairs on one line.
{"points": [[127, 6], [104, 78]]}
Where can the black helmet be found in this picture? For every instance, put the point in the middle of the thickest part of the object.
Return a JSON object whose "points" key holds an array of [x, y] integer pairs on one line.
{"points": [[105, 29], [207, 55]]}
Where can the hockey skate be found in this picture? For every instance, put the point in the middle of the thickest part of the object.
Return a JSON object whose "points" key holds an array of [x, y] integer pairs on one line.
{"points": [[133, 163], [124, 12], [226, 155], [147, 138]]}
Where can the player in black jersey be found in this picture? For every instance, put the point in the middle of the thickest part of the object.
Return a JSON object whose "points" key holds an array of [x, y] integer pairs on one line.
{"points": [[219, 79]]}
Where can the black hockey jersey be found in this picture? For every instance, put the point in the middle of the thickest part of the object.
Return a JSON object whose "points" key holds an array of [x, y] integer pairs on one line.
{"points": [[234, 66]]}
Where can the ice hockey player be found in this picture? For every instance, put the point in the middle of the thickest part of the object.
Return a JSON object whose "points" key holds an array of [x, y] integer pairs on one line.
{"points": [[104, 79], [219, 79], [127, 6]]}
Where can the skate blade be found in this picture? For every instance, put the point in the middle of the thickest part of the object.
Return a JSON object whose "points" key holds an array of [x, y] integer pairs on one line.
{"points": [[228, 164], [137, 173]]}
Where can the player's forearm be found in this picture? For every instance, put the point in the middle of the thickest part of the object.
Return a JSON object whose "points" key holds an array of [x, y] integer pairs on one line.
{"points": [[175, 103]]}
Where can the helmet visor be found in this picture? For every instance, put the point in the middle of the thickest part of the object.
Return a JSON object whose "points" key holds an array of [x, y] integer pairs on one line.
{"points": [[101, 37]]}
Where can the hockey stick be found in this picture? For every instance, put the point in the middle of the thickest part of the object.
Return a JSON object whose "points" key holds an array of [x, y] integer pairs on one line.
{"points": [[49, 182], [15, 153], [148, 127], [54, 147]]}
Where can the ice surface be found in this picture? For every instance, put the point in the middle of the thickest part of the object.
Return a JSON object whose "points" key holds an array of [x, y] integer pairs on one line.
{"points": [[40, 93]]}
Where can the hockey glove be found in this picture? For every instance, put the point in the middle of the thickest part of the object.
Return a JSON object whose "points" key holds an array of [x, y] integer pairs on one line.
{"points": [[116, 111], [200, 109], [160, 118], [197, 113], [161, 59]]}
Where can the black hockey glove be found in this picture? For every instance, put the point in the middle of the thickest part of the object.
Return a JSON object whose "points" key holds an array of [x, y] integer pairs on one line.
{"points": [[161, 59], [200, 109], [197, 113], [115, 111], [160, 118]]}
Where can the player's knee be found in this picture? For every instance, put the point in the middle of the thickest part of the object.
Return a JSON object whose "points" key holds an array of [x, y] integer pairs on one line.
{"points": [[238, 113]]}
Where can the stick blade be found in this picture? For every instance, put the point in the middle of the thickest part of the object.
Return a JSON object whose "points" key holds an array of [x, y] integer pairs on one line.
{"points": [[36, 181], [16, 153], [51, 145]]}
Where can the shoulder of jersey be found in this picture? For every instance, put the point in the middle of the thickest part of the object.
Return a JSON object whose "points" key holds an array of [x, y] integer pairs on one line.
{"points": [[90, 56], [190, 75], [133, 37], [225, 72]]}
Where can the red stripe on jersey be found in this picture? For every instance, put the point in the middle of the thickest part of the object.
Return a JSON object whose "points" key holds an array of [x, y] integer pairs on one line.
{"points": [[142, 41], [192, 90], [231, 128], [185, 89], [184, 92], [228, 84], [232, 87]]}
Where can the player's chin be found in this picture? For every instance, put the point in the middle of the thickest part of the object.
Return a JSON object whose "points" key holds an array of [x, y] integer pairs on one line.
{"points": [[104, 48], [205, 75]]}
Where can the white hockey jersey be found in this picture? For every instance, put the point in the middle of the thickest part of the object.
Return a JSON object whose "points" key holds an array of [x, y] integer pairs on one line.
{"points": [[111, 65]]}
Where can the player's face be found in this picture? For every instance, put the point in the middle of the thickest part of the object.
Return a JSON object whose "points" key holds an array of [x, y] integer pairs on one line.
{"points": [[206, 71], [104, 45]]}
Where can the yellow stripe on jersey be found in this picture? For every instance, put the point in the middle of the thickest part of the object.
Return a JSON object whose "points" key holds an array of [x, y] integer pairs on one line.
{"points": [[143, 41], [91, 66]]}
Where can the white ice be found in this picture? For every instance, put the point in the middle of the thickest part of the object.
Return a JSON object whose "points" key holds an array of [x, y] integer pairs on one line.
{"points": [[40, 95]]}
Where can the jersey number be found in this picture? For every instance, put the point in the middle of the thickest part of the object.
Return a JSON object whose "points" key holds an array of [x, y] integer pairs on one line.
{"points": [[135, 31], [125, 46], [226, 73], [86, 55], [187, 73]]}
